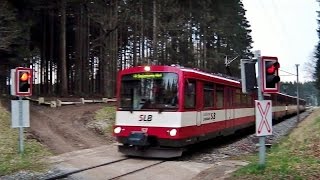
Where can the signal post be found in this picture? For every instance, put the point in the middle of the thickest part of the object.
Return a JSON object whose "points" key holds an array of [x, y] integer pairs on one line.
{"points": [[21, 86], [268, 82]]}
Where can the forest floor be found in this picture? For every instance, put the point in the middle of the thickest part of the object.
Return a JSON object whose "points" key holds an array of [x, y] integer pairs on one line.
{"points": [[65, 129]]}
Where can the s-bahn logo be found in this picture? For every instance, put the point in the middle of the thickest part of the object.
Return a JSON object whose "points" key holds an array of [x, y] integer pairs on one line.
{"points": [[144, 117]]}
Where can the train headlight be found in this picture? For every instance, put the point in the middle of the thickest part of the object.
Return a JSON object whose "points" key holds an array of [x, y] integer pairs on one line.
{"points": [[173, 132], [117, 130], [147, 68]]}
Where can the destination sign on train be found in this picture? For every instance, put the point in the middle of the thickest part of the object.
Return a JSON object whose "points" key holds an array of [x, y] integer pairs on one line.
{"points": [[147, 76]]}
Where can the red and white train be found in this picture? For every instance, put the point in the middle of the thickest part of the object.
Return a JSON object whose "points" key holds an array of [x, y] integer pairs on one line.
{"points": [[163, 109]]}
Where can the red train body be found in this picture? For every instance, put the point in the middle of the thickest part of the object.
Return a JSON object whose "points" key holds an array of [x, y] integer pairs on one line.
{"points": [[163, 109]]}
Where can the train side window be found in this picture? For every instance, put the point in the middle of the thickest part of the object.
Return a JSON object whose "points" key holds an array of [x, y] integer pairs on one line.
{"points": [[219, 96], [190, 94], [244, 100], [208, 92], [237, 99], [250, 102], [274, 100]]}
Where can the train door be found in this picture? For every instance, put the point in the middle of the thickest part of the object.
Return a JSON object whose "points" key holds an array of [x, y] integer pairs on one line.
{"points": [[229, 109], [190, 101]]}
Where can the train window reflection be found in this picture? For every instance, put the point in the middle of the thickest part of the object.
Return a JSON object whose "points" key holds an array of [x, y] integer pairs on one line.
{"points": [[190, 94], [220, 95], [149, 91], [208, 91]]}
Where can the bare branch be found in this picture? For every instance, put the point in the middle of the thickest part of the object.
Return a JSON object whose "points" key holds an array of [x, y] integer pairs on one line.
{"points": [[309, 67]]}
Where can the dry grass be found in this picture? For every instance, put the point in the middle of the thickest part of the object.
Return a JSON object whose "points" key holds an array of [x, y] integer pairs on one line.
{"points": [[10, 160], [105, 119]]}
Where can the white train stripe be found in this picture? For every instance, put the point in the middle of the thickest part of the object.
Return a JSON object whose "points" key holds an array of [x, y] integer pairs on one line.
{"points": [[183, 119], [164, 119], [239, 113]]}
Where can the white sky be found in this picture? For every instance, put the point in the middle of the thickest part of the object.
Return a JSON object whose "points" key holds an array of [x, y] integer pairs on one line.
{"points": [[285, 29]]}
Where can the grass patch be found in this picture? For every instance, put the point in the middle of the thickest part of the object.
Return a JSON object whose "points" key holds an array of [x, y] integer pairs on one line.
{"points": [[295, 157], [105, 118], [10, 159]]}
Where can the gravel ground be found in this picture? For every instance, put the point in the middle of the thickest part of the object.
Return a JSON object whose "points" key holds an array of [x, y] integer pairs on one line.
{"points": [[25, 175], [211, 154]]}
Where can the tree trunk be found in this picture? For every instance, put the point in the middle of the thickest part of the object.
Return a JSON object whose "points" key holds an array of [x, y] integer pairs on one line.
{"points": [[49, 62], [79, 52], [63, 63], [101, 66], [134, 47], [85, 49], [43, 59], [155, 33], [141, 34]]}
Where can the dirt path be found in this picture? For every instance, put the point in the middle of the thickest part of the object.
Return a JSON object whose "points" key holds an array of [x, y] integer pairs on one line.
{"points": [[63, 129]]}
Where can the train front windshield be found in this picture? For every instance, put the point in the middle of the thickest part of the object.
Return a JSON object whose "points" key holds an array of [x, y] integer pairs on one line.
{"points": [[149, 91]]}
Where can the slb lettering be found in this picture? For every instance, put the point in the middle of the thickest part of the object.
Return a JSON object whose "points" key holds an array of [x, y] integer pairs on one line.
{"points": [[145, 117]]}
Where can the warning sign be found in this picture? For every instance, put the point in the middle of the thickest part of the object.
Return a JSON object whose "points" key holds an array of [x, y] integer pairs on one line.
{"points": [[263, 111]]}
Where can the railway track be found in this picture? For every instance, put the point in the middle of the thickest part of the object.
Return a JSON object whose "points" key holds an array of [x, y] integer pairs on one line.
{"points": [[126, 166], [207, 154], [106, 162]]}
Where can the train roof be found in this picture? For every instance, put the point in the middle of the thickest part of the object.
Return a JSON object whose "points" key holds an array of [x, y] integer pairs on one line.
{"points": [[289, 96], [217, 76], [176, 68]]}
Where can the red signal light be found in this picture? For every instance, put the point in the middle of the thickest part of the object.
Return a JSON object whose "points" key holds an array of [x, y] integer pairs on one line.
{"points": [[23, 84], [24, 76], [273, 68], [270, 75]]}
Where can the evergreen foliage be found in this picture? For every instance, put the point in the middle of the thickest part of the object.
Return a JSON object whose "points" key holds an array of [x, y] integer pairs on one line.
{"points": [[307, 91], [104, 36], [317, 57]]}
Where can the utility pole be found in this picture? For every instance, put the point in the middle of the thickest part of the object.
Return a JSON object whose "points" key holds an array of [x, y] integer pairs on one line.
{"points": [[298, 118]]}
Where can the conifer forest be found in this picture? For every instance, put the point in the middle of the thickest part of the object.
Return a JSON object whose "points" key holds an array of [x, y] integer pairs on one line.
{"points": [[76, 47]]}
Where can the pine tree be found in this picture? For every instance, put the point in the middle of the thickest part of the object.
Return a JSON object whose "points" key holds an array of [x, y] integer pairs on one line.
{"points": [[317, 57], [9, 28], [79, 47], [13, 40]]}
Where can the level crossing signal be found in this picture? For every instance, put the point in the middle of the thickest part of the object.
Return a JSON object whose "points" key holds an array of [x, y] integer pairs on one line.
{"points": [[270, 74], [23, 80]]}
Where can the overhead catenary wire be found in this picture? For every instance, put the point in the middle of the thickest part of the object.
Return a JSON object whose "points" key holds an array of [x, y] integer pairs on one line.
{"points": [[291, 74]]}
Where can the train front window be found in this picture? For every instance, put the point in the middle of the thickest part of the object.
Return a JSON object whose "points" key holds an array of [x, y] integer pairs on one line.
{"points": [[143, 91]]}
